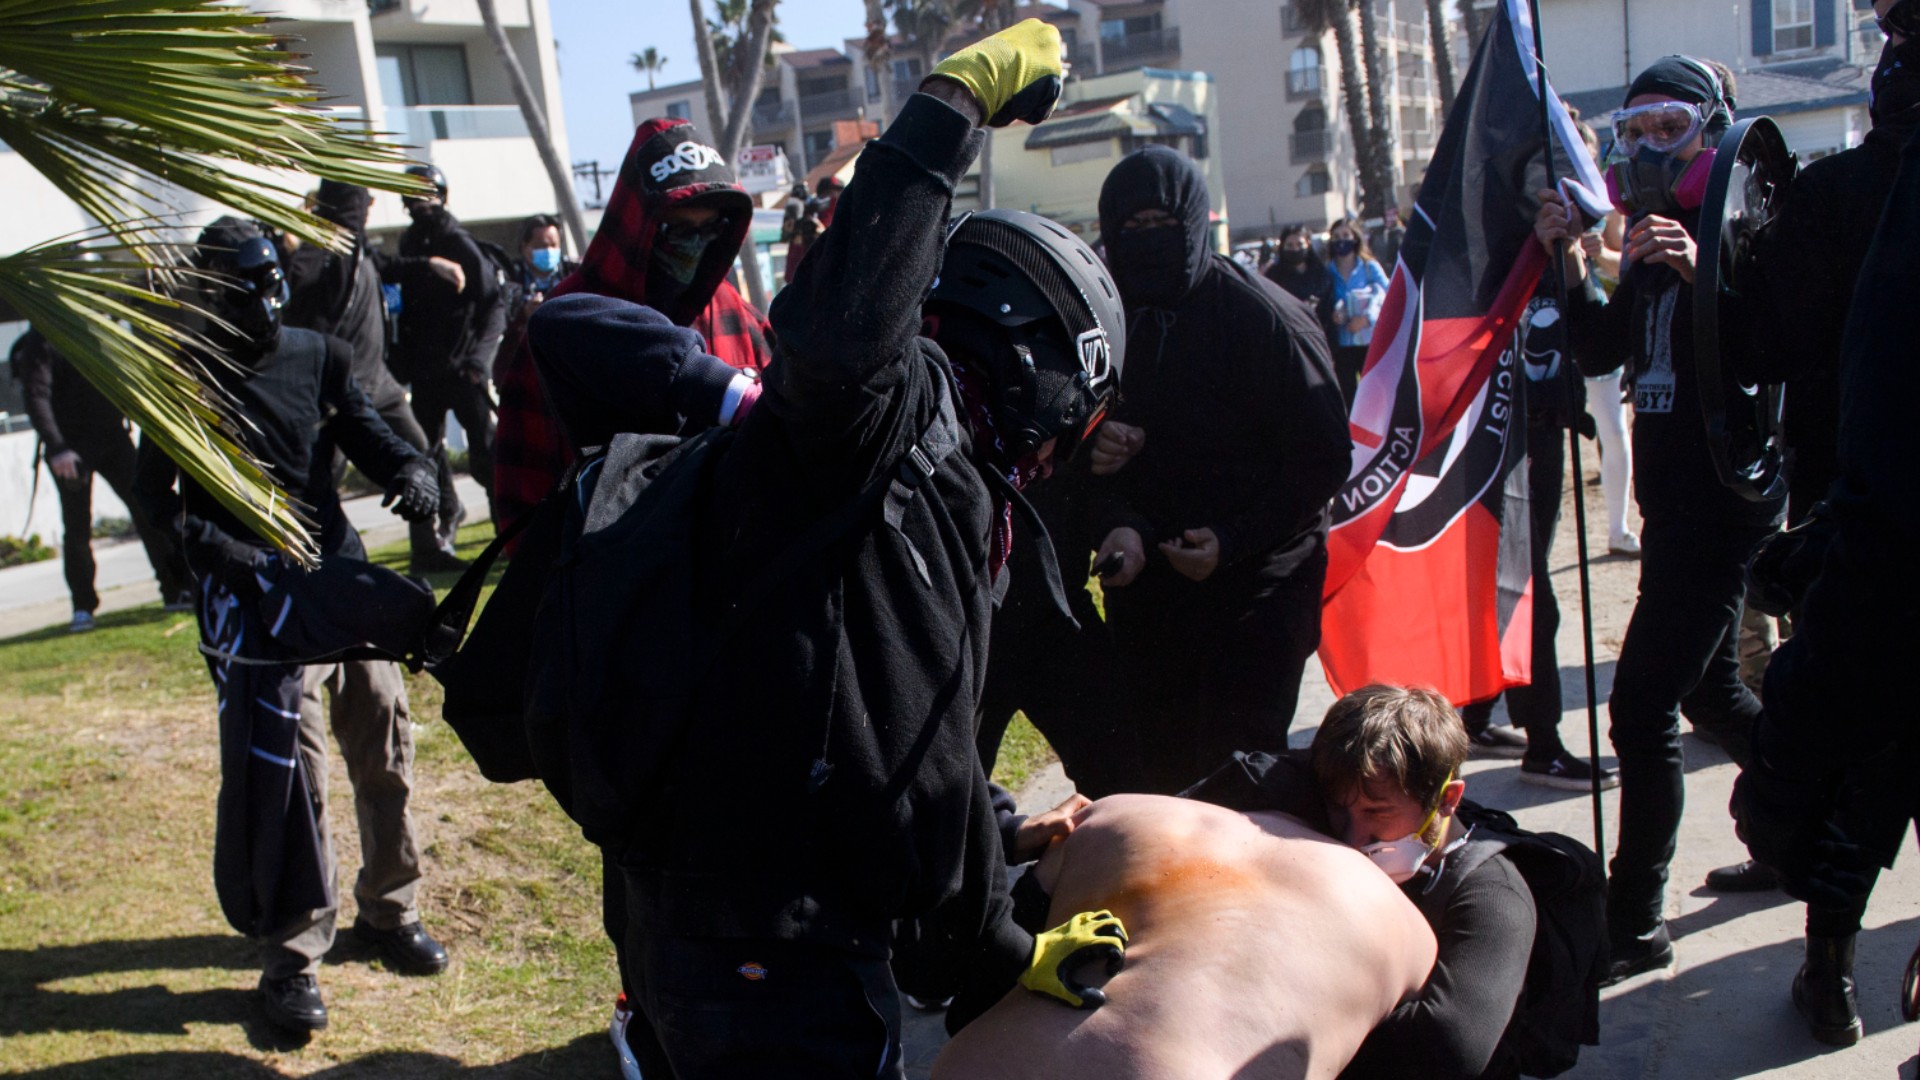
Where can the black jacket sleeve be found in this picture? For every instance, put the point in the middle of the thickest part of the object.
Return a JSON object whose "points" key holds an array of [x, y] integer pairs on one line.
{"points": [[1311, 449], [32, 363], [486, 316], [1450, 1032], [847, 324], [354, 425], [207, 546], [610, 365], [1598, 327]]}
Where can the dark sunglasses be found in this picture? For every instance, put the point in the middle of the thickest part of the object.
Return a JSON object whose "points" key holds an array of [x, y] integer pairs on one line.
{"points": [[709, 232], [1903, 19]]}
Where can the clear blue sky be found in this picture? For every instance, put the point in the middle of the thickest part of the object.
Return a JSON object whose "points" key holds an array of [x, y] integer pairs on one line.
{"points": [[596, 37]]}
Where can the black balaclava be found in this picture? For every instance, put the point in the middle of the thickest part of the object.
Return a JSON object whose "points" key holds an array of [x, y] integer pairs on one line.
{"points": [[250, 311], [345, 205], [1893, 98], [1155, 268]]}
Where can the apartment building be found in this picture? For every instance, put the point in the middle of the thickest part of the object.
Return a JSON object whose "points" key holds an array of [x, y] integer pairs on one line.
{"points": [[1806, 63], [424, 70], [803, 94]]}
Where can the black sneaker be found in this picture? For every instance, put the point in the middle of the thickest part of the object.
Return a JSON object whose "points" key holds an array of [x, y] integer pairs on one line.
{"points": [[407, 949], [293, 1004], [1566, 772], [1650, 951], [1496, 742]]}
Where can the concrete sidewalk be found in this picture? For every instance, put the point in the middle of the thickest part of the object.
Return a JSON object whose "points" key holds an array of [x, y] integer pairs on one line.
{"points": [[34, 596]]}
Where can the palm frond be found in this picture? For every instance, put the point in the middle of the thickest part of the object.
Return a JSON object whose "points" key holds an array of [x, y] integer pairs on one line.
{"points": [[95, 307]]}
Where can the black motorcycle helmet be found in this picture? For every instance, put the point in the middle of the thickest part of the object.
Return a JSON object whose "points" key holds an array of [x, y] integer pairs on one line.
{"points": [[245, 288], [431, 174], [1033, 304]]}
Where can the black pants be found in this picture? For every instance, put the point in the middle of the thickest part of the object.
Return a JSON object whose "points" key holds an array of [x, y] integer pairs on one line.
{"points": [[723, 1009], [112, 456], [1067, 683], [1679, 645], [1212, 667], [434, 396], [1535, 707]]}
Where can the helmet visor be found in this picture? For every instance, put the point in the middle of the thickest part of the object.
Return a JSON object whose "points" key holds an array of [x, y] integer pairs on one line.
{"points": [[1664, 126]]}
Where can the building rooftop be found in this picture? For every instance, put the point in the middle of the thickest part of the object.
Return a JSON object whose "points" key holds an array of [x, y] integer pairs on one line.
{"points": [[811, 58], [692, 86], [1777, 90]]}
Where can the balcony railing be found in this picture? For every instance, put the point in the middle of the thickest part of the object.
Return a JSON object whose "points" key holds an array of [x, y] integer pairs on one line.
{"points": [[772, 115], [1411, 34], [831, 105], [1311, 146], [417, 125], [1417, 87], [1081, 59], [1417, 142], [1305, 83], [1139, 48]]}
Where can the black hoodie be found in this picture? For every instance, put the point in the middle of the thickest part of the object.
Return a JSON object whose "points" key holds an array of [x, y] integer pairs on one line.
{"points": [[1229, 375], [339, 294]]}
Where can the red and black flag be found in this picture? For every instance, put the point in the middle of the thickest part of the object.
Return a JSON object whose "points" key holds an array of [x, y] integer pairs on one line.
{"points": [[1428, 572]]}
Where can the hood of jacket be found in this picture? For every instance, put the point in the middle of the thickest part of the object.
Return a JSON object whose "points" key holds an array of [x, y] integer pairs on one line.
{"points": [[1155, 178], [668, 164], [345, 205]]}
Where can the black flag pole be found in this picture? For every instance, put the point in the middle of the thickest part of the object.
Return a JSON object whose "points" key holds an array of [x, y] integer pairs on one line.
{"points": [[1555, 267]]}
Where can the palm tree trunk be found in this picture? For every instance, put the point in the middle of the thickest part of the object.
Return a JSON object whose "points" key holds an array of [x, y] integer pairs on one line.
{"points": [[753, 66], [1442, 52], [1356, 101], [709, 68], [1379, 157], [557, 172], [1475, 24]]}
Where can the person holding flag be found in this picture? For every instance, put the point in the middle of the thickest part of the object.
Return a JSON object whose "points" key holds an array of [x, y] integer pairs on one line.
{"points": [[1698, 533]]}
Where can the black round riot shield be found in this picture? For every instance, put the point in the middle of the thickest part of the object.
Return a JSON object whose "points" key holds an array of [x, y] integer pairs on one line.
{"points": [[1751, 175]]}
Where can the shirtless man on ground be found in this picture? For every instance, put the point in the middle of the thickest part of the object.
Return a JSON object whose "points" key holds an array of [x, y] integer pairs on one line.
{"points": [[1259, 950]]}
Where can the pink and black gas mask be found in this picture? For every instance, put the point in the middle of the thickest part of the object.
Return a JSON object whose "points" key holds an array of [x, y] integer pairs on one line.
{"points": [[1644, 173]]}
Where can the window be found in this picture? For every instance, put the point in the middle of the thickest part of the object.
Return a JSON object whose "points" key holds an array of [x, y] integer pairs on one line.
{"points": [[1115, 29], [1312, 118], [818, 145], [1792, 25], [1314, 181], [1078, 152], [813, 87], [680, 110], [423, 74], [873, 84], [1303, 71], [907, 71]]}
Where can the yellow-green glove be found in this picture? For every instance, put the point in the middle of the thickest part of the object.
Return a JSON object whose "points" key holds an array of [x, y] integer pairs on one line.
{"points": [[1090, 935], [1015, 74]]}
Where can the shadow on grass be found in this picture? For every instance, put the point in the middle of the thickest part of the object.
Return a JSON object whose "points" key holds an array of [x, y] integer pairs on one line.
{"points": [[587, 1055], [144, 615], [30, 1006]]}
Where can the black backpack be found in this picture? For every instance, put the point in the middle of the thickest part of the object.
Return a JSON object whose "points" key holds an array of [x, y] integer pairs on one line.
{"points": [[543, 687], [1558, 1011]]}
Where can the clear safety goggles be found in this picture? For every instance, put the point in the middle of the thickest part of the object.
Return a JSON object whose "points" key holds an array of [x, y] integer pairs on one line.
{"points": [[1664, 126]]}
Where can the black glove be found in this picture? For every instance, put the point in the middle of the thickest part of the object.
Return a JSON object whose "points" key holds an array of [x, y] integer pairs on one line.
{"points": [[1783, 568], [417, 492], [242, 568]]}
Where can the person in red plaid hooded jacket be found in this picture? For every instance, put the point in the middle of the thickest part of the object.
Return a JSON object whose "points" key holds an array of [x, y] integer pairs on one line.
{"points": [[672, 228]]}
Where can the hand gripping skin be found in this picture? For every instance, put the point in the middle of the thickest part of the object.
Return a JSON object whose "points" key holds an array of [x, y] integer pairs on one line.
{"points": [[1015, 74], [1090, 935], [416, 490]]}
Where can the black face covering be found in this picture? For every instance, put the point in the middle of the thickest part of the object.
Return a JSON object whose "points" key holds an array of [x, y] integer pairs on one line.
{"points": [[1894, 94], [1291, 259], [1149, 265], [428, 214]]}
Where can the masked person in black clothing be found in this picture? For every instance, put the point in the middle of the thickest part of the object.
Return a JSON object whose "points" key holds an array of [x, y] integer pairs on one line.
{"points": [[1221, 520], [1699, 533], [1297, 268], [273, 860], [784, 820], [82, 435], [339, 294], [1811, 256], [451, 323]]}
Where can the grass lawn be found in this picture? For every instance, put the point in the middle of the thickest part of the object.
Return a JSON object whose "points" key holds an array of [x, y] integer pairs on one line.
{"points": [[115, 960]]}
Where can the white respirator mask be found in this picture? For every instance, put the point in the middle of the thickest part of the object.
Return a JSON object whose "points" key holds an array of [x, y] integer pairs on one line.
{"points": [[1401, 859]]}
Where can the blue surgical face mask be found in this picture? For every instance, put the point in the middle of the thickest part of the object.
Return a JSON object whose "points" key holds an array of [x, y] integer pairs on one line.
{"points": [[546, 259]]}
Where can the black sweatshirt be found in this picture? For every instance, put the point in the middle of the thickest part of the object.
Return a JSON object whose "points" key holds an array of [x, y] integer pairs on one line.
{"points": [[1483, 921], [65, 409], [872, 660], [305, 384], [340, 295], [443, 332], [1647, 327], [1246, 430]]}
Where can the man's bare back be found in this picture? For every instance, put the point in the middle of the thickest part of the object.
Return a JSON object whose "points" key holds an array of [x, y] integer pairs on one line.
{"points": [[1260, 950]]}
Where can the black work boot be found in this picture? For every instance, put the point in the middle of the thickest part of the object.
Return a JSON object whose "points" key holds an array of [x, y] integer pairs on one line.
{"points": [[1823, 991], [293, 1004]]}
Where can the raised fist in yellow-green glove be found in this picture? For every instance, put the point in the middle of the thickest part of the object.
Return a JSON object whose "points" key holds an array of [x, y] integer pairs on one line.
{"points": [[1088, 936], [1015, 74]]}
